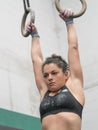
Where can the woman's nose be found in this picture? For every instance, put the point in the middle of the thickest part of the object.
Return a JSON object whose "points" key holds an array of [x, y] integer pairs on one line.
{"points": [[50, 77]]}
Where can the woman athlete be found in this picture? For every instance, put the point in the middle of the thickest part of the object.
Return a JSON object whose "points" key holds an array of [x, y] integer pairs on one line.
{"points": [[60, 84]]}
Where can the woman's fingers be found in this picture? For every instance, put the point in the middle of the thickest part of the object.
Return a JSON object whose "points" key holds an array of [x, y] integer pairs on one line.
{"points": [[66, 13]]}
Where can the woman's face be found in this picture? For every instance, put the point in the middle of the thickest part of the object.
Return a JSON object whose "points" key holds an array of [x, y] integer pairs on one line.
{"points": [[54, 77]]}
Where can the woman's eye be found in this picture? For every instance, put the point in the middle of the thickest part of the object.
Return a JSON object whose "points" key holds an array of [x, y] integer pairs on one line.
{"points": [[45, 75], [54, 73]]}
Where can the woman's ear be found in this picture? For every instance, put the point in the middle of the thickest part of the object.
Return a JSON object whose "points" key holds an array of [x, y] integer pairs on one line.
{"points": [[67, 74]]}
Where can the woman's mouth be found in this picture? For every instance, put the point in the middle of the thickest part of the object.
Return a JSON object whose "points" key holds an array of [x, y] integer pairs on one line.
{"points": [[51, 84]]}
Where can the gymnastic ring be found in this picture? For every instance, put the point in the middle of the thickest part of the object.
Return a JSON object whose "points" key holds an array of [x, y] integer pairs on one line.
{"points": [[82, 11], [32, 15]]}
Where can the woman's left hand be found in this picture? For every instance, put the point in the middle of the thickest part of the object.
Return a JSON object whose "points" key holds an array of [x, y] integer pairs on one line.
{"points": [[66, 14]]}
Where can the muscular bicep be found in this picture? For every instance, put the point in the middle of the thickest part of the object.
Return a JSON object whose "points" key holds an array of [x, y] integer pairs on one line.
{"points": [[37, 67], [37, 60], [74, 63], [73, 54]]}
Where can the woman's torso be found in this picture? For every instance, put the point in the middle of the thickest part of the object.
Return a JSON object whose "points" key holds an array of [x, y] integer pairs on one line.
{"points": [[62, 121], [58, 118]]}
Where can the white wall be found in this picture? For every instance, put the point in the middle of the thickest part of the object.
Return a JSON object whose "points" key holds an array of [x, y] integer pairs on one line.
{"points": [[17, 83], [90, 113]]}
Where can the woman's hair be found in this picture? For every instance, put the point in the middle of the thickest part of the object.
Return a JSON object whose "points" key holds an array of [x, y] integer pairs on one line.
{"points": [[58, 60]]}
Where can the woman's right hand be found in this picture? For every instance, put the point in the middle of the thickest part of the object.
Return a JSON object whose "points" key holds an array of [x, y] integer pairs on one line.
{"points": [[31, 28]]}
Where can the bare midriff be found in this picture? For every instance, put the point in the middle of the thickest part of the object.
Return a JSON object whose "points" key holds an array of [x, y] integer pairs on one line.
{"points": [[62, 121]]}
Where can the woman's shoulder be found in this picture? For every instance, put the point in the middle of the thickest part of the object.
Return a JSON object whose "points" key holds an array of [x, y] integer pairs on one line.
{"points": [[43, 92]]}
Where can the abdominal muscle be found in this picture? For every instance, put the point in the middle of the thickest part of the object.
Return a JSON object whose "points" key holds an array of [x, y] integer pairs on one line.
{"points": [[61, 121]]}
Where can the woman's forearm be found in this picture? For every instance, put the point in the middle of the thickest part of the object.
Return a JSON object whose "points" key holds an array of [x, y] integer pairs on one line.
{"points": [[72, 36], [36, 49]]}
